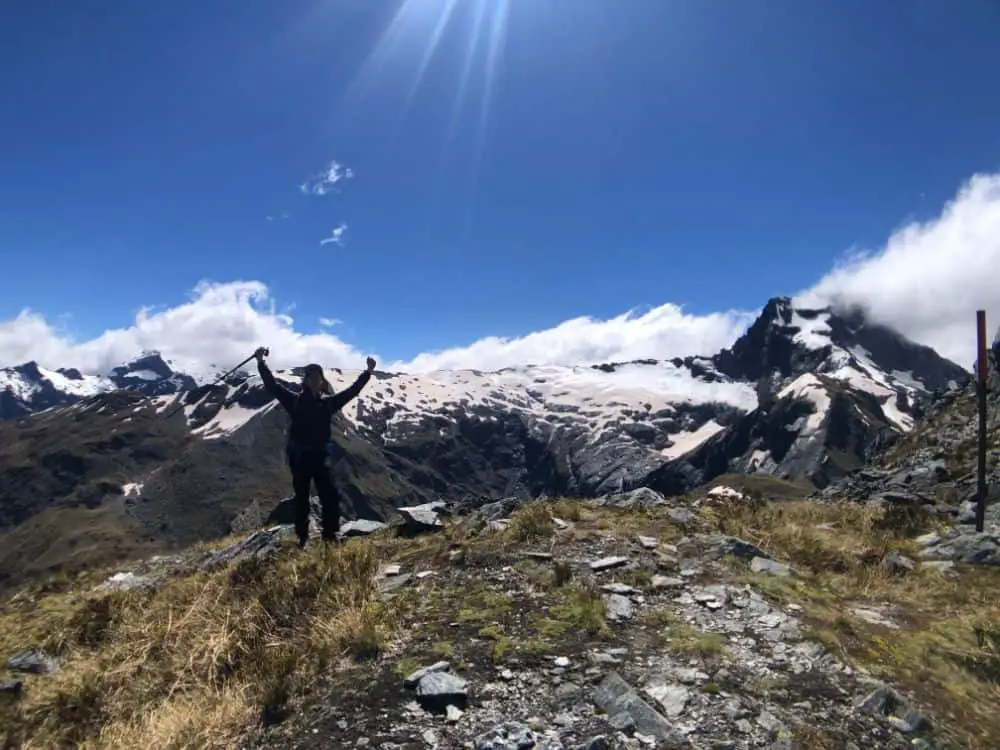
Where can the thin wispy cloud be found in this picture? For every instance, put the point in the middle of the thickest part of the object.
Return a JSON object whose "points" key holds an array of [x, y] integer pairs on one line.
{"points": [[324, 182], [330, 322], [336, 236]]}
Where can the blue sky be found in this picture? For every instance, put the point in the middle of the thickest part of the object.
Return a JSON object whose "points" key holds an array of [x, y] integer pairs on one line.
{"points": [[601, 155]]}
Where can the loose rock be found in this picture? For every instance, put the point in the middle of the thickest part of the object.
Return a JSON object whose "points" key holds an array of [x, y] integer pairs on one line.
{"points": [[770, 567], [608, 563], [33, 661]]}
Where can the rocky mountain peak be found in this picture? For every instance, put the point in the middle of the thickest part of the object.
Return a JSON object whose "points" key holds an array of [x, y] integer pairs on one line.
{"points": [[145, 365], [71, 373], [29, 370], [783, 339], [788, 341]]}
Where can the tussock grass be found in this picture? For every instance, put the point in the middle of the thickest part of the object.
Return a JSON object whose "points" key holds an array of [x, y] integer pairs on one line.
{"points": [[198, 661], [532, 522], [567, 510], [946, 650], [819, 537], [682, 638], [579, 610]]}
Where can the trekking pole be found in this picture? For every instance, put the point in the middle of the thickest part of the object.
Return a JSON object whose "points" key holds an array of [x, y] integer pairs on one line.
{"points": [[221, 377]]}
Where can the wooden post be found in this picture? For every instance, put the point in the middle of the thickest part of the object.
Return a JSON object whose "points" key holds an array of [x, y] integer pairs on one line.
{"points": [[981, 372]]}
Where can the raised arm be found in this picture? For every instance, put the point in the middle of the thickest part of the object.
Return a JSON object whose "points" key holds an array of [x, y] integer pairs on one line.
{"points": [[286, 397], [339, 400]]}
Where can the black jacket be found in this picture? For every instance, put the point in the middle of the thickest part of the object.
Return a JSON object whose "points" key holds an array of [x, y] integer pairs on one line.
{"points": [[311, 415]]}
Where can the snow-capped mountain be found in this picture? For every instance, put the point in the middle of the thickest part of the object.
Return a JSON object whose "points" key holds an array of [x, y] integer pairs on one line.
{"points": [[803, 393], [825, 374], [832, 389], [799, 387], [30, 388]]}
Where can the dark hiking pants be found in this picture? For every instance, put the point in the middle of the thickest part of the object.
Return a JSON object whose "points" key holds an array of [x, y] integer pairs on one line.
{"points": [[314, 467]]}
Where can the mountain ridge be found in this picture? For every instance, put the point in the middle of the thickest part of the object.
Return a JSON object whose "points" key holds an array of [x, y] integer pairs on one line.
{"points": [[177, 463]]}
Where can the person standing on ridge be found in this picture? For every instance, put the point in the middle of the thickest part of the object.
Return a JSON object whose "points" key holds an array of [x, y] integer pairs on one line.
{"points": [[309, 441]]}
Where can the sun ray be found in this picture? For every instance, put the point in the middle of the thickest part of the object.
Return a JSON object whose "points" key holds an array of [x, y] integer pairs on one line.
{"points": [[442, 23], [494, 61], [377, 59], [470, 54]]}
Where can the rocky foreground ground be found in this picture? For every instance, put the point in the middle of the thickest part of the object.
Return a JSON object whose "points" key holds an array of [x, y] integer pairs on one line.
{"points": [[716, 621]]}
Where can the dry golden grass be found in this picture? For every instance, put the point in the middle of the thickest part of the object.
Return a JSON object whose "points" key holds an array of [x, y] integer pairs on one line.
{"points": [[204, 659], [532, 522], [197, 662], [947, 648]]}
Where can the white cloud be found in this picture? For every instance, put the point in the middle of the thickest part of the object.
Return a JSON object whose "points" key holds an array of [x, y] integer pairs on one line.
{"points": [[223, 322], [927, 281], [930, 277], [220, 325], [322, 183], [336, 236], [662, 332]]}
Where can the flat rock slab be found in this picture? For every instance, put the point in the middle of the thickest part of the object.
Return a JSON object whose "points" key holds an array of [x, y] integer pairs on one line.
{"points": [[10, 688], [420, 518], [497, 510], [973, 549], [413, 679], [642, 497], [618, 607], [874, 616], [770, 567], [620, 588], [647, 542], [616, 697], [390, 584], [438, 690], [361, 527], [260, 544], [729, 545], [608, 563], [673, 699], [33, 662]]}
